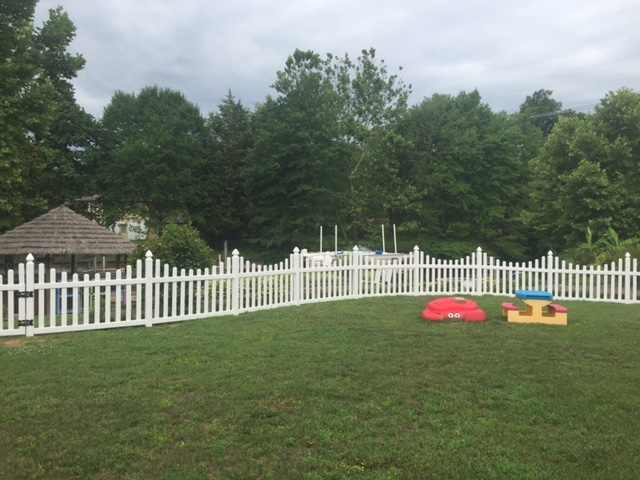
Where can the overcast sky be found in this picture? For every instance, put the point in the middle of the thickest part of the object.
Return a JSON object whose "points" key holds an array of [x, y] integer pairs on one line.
{"points": [[507, 49]]}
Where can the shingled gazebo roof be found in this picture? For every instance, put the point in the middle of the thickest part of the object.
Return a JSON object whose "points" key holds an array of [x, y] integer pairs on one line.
{"points": [[63, 232]]}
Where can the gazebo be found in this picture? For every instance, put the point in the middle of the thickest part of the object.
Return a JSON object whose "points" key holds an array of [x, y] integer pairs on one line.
{"points": [[63, 232]]}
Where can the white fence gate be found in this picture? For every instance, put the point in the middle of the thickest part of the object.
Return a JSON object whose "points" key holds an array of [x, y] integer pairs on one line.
{"points": [[38, 302]]}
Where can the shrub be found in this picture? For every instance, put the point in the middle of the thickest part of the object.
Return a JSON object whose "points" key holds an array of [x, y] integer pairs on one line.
{"points": [[179, 246], [613, 254], [609, 248]]}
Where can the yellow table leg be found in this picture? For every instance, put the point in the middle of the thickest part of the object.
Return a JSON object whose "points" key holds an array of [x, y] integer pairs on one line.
{"points": [[534, 314]]}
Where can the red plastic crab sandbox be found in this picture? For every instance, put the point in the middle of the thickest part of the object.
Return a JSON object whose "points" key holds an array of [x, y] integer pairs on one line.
{"points": [[453, 309]]}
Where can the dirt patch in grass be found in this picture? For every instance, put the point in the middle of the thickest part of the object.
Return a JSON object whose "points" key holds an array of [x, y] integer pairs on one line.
{"points": [[17, 343], [23, 342]]}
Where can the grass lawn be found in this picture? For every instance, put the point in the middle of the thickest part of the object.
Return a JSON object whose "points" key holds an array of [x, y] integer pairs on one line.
{"points": [[351, 389]]}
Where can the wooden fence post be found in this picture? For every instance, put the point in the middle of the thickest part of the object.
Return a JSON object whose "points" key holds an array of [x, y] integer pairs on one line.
{"points": [[296, 277], [479, 272], [356, 277], [627, 278], [29, 283], [148, 289], [549, 287], [235, 282], [634, 281], [416, 270]]}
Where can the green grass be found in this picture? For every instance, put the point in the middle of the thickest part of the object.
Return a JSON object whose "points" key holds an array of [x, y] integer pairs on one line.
{"points": [[351, 389]]}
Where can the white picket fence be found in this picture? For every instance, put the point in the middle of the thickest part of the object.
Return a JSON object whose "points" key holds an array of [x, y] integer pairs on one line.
{"points": [[36, 302]]}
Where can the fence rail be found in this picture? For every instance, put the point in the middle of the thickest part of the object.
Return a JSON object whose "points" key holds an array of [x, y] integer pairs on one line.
{"points": [[34, 301]]}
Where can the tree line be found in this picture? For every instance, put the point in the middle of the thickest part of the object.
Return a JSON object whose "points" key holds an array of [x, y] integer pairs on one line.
{"points": [[337, 144]]}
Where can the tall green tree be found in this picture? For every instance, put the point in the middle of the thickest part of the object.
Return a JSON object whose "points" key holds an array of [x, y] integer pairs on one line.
{"points": [[588, 175], [220, 212], [151, 158], [293, 172], [468, 172], [541, 110], [371, 103], [328, 146], [330, 138], [35, 93], [73, 131]]}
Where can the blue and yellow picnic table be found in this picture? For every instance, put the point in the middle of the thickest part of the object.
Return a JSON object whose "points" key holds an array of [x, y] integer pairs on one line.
{"points": [[539, 309]]}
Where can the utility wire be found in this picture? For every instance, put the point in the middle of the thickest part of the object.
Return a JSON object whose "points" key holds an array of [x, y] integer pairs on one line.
{"points": [[567, 111]]}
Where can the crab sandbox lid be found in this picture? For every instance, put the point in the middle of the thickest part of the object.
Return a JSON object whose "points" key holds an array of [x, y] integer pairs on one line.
{"points": [[456, 308]]}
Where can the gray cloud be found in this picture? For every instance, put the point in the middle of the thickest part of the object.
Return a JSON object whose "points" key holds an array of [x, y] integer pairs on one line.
{"points": [[579, 49]]}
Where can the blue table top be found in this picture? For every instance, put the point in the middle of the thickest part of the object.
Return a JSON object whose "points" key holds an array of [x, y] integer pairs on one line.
{"points": [[533, 295]]}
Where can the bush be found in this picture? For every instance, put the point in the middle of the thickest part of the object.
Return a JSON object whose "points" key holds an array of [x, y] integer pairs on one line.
{"points": [[180, 246], [613, 254], [609, 248]]}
